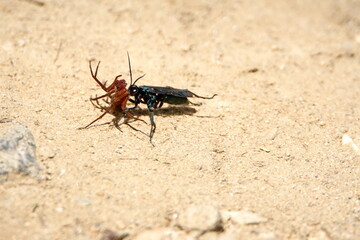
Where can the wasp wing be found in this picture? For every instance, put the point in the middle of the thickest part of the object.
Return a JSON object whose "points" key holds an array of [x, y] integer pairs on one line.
{"points": [[170, 91]]}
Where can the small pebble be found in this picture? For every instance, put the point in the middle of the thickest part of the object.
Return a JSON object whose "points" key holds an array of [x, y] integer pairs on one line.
{"points": [[227, 235], [200, 218], [210, 236], [162, 234], [84, 201], [59, 209], [267, 235], [273, 134], [357, 38], [264, 149], [243, 217], [322, 123], [21, 42], [347, 140], [320, 235], [111, 235]]}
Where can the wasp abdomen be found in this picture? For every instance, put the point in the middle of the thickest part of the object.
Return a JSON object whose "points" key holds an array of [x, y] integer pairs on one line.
{"points": [[176, 100]]}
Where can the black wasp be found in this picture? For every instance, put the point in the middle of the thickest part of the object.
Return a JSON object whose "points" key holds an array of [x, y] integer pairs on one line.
{"points": [[154, 97]]}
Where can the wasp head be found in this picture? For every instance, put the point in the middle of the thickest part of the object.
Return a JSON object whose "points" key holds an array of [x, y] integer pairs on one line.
{"points": [[133, 90]]}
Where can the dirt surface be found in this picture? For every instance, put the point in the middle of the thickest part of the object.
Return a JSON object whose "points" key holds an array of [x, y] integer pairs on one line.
{"points": [[288, 84]]}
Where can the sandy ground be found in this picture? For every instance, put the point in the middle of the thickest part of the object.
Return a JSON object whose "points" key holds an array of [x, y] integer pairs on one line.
{"points": [[288, 84]]}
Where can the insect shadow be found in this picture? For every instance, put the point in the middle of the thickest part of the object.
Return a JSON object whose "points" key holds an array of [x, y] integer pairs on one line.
{"points": [[167, 111]]}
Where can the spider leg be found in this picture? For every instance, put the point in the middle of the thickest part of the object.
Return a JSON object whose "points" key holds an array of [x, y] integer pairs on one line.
{"points": [[94, 120]]}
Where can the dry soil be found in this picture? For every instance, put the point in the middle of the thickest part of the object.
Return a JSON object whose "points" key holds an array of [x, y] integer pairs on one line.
{"points": [[288, 84]]}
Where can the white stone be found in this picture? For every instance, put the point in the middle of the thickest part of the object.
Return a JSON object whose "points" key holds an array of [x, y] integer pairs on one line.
{"points": [[243, 217], [163, 234], [201, 218]]}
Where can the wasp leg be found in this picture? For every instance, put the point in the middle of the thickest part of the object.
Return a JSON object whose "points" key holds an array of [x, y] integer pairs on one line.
{"points": [[161, 103], [134, 107], [153, 124], [130, 109], [195, 104]]}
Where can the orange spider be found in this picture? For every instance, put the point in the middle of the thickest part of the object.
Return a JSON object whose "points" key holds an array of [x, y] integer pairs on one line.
{"points": [[118, 95]]}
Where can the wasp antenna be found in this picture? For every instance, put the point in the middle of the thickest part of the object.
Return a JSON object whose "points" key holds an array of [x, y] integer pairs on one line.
{"points": [[138, 79], [129, 68], [204, 97]]}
